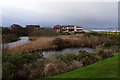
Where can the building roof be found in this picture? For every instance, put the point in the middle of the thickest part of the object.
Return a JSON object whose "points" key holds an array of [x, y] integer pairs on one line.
{"points": [[58, 26], [16, 25], [33, 26], [79, 27]]}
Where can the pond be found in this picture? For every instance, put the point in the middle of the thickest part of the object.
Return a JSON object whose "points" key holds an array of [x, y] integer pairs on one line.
{"points": [[66, 50], [46, 54], [22, 40]]}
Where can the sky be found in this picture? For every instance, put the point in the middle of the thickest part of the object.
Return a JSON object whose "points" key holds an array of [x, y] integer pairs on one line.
{"points": [[47, 13]]}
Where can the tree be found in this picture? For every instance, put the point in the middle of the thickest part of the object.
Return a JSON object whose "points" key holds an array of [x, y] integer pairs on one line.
{"points": [[5, 30], [17, 29]]}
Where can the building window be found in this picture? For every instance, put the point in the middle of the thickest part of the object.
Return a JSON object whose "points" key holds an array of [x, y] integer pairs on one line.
{"points": [[71, 29]]}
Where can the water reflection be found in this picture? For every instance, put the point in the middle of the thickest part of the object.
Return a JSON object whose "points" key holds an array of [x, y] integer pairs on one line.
{"points": [[22, 40], [67, 50]]}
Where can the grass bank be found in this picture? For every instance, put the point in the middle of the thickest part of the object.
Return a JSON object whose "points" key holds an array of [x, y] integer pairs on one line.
{"points": [[107, 68]]}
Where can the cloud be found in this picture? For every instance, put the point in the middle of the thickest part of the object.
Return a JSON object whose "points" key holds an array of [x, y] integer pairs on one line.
{"points": [[49, 13]]}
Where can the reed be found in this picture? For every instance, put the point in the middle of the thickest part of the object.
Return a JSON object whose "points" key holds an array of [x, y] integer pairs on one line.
{"points": [[92, 41], [46, 43], [41, 43]]}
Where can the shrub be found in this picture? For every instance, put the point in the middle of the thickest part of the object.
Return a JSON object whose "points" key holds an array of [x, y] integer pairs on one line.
{"points": [[87, 58], [18, 30], [92, 33], [9, 38], [54, 66], [60, 43], [20, 59], [66, 62], [106, 53], [115, 48], [113, 41], [14, 65], [67, 58], [109, 43], [17, 59], [64, 33], [8, 71], [37, 68], [70, 56], [29, 58], [43, 32], [74, 65], [23, 73], [5, 30]]}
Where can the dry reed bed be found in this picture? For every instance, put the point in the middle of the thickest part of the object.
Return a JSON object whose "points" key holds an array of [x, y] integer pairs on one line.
{"points": [[45, 43], [88, 41], [39, 44]]}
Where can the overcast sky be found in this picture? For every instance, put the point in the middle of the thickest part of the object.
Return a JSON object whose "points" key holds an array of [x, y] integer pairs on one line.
{"points": [[92, 14]]}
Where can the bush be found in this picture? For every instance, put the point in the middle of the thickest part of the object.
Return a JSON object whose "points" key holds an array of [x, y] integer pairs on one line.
{"points": [[23, 73], [18, 30], [64, 33], [14, 66], [92, 33], [54, 66], [60, 43], [8, 71], [9, 38], [110, 43], [70, 60], [106, 53], [67, 58], [37, 68], [76, 64], [113, 41], [84, 57], [20, 59], [87, 58], [43, 32], [5, 30]]}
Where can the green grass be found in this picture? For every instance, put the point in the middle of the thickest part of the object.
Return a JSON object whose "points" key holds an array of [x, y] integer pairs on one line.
{"points": [[107, 32], [107, 68]]}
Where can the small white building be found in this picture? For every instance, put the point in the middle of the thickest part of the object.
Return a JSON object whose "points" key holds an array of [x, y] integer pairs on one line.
{"points": [[68, 28]]}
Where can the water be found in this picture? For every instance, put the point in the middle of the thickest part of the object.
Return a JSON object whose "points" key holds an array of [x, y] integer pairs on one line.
{"points": [[22, 40], [67, 50]]}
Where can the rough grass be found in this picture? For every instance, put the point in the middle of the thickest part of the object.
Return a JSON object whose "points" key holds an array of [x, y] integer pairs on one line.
{"points": [[45, 43], [107, 68], [39, 44]]}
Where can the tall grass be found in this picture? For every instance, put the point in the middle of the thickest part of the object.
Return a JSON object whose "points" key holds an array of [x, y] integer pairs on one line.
{"points": [[92, 41], [42, 43], [46, 43]]}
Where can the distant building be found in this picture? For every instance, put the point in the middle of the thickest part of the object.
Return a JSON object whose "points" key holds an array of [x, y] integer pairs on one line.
{"points": [[68, 28], [15, 25], [33, 26]]}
